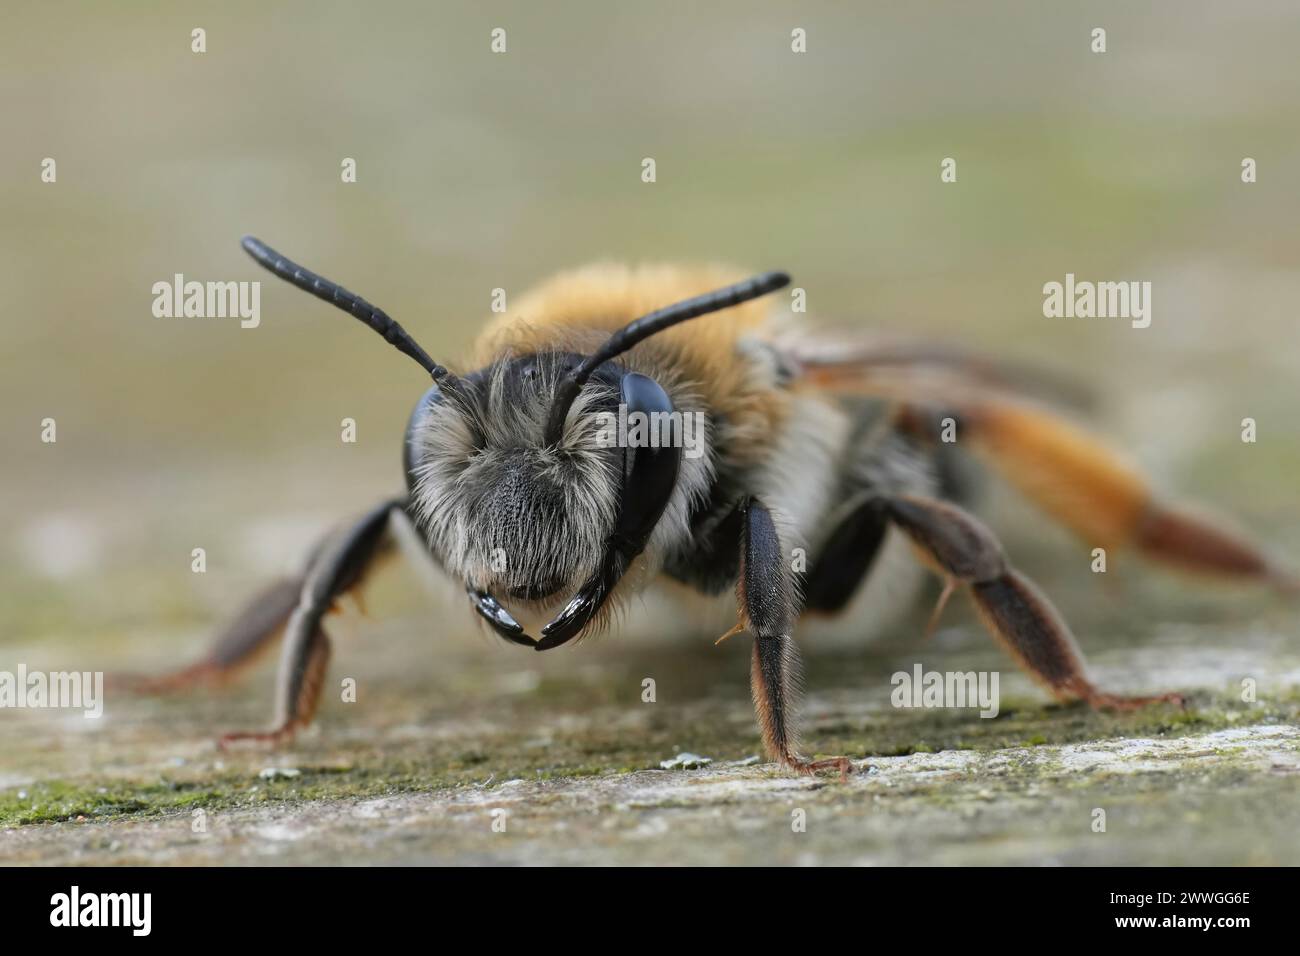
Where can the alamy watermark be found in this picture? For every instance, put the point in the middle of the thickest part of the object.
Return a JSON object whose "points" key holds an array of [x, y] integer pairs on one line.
{"points": [[1101, 300], [624, 429], [75, 908], [922, 688], [73, 690], [208, 300]]}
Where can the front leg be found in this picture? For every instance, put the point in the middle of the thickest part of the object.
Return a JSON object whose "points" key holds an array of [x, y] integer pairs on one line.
{"points": [[766, 608], [337, 567]]}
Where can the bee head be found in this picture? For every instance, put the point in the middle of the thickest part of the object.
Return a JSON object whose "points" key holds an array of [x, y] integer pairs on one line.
{"points": [[510, 480], [504, 510]]}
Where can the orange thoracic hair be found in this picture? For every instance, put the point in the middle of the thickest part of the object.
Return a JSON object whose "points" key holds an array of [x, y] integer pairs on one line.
{"points": [[577, 310]]}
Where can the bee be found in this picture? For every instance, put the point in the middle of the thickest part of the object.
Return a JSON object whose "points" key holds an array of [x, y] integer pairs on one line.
{"points": [[817, 457]]}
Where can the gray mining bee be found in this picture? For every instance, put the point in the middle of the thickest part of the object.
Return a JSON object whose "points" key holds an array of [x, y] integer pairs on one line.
{"points": [[833, 452]]}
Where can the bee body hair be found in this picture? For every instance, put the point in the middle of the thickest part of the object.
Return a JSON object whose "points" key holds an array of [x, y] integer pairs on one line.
{"points": [[798, 448]]}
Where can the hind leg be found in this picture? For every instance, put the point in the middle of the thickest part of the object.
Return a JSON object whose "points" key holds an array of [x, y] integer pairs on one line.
{"points": [[264, 618], [964, 551], [1090, 489], [254, 630]]}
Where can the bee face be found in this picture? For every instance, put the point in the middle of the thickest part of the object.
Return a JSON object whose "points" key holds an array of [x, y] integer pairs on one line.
{"points": [[503, 510]]}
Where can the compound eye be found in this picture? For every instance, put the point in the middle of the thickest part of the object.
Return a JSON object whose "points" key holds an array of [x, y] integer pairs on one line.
{"points": [[649, 473], [431, 398], [649, 476]]}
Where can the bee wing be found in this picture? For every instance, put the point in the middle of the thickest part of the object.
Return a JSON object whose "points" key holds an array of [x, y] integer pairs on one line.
{"points": [[1071, 474], [896, 367]]}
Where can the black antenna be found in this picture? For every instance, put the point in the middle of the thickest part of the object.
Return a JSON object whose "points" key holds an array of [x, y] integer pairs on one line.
{"points": [[350, 302], [638, 330]]}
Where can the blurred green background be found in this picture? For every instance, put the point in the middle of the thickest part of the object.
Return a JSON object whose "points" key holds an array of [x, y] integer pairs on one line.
{"points": [[479, 170]]}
